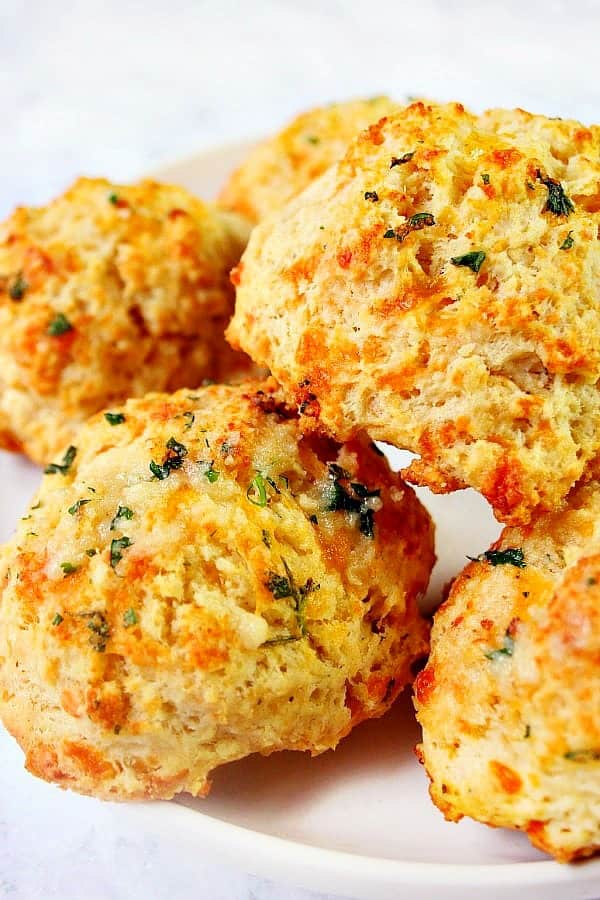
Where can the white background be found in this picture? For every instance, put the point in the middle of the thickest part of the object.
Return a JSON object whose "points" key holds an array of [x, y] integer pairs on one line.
{"points": [[118, 88]]}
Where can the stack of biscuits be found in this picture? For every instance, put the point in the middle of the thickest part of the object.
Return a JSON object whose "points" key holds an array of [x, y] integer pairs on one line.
{"points": [[219, 560]]}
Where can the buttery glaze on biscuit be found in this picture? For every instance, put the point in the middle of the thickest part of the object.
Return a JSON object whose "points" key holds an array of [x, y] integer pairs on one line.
{"points": [[509, 699], [439, 288], [195, 581], [108, 292]]}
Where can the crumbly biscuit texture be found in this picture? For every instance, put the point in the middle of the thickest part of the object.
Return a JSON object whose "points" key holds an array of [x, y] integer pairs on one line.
{"points": [[509, 699], [195, 581], [110, 291], [439, 288]]}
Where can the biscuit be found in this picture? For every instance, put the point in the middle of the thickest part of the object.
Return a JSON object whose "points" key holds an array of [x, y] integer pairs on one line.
{"points": [[509, 699], [438, 287], [110, 291], [195, 581]]}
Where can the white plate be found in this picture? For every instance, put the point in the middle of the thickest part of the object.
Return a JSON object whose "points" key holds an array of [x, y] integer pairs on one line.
{"points": [[358, 821]]}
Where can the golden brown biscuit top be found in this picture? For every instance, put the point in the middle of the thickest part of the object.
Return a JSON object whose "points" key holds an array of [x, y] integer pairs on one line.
{"points": [[443, 248], [154, 492]]}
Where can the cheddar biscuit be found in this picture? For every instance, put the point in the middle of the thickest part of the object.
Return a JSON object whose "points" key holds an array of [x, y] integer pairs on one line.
{"points": [[438, 287], [509, 699], [195, 581], [108, 292]]}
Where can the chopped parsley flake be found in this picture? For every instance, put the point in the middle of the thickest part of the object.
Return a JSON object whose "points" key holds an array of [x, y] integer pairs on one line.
{"points": [[414, 223], [57, 619], [189, 417], [77, 506], [279, 586], [282, 639], [266, 538], [506, 649], [588, 755], [557, 203], [512, 556], [473, 260], [123, 512], [485, 178], [283, 586], [373, 196], [91, 551], [65, 465], [59, 325], [68, 568], [421, 220], [400, 160], [100, 631], [257, 491], [568, 242], [114, 199], [313, 139], [130, 618], [173, 459], [210, 473], [17, 289], [352, 497], [114, 418], [116, 546]]}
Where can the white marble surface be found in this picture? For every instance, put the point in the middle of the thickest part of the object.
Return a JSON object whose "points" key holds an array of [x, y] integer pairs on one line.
{"points": [[118, 88]]}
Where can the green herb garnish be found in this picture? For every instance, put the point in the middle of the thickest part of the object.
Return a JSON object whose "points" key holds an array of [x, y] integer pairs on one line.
{"points": [[414, 223], [588, 755], [65, 465], [506, 649], [568, 242], [114, 199], [421, 220], [130, 618], [68, 568], [373, 196], [313, 139], [100, 631], [266, 538], [189, 417], [283, 586], [59, 325], [114, 418], [473, 260], [173, 459], [512, 556], [557, 202], [485, 178], [77, 506], [57, 619], [91, 552], [257, 491], [351, 497], [17, 289], [210, 473], [116, 546], [283, 639], [279, 585], [123, 512], [400, 160]]}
